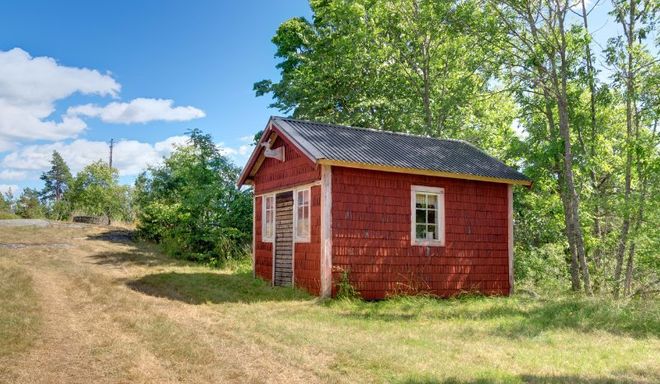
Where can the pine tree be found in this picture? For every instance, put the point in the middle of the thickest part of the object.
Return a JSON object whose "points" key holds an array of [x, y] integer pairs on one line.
{"points": [[57, 179]]}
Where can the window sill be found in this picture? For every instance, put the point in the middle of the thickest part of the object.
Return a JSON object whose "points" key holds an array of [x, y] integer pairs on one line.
{"points": [[428, 243]]}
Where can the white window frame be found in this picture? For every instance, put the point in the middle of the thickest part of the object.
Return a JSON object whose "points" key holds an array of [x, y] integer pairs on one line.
{"points": [[305, 238], [439, 217], [264, 222]]}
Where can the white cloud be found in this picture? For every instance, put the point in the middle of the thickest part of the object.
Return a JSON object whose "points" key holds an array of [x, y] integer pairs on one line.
{"points": [[140, 110], [14, 189], [29, 88], [12, 175], [234, 152], [129, 156], [246, 139]]}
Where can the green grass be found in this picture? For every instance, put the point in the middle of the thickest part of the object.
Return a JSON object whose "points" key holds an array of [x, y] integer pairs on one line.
{"points": [[8, 216], [427, 340], [19, 310], [131, 314]]}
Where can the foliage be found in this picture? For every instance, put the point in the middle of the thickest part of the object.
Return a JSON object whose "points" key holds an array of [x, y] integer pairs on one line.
{"points": [[412, 66], [346, 290], [57, 180], [6, 205], [96, 191], [28, 205], [192, 206]]}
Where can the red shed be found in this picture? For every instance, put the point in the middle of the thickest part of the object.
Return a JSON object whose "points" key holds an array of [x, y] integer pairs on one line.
{"points": [[401, 213]]}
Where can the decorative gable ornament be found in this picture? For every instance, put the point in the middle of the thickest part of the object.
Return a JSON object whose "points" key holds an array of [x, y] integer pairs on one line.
{"points": [[277, 153]]}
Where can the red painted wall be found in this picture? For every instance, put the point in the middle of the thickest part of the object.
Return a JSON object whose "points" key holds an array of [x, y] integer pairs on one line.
{"points": [[371, 235], [297, 169], [274, 175]]}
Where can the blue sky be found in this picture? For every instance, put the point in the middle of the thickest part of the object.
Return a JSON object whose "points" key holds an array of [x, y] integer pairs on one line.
{"points": [[74, 74], [200, 54]]}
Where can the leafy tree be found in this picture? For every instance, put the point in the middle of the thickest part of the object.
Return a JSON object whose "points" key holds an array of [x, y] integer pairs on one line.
{"points": [[96, 191], [56, 180], [192, 205], [28, 205], [635, 68], [414, 66]]}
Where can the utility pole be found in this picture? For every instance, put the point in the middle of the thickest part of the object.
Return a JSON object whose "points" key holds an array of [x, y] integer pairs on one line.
{"points": [[112, 144]]}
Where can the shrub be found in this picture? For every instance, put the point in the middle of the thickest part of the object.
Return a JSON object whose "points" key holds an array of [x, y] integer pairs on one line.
{"points": [[346, 290], [191, 204]]}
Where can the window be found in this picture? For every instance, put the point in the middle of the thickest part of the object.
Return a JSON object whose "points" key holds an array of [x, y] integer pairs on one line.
{"points": [[301, 215], [427, 216], [268, 218]]}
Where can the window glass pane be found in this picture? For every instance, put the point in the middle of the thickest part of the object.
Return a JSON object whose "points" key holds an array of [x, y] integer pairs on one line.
{"points": [[432, 201], [431, 232], [420, 231], [420, 216], [420, 200], [431, 216], [305, 229]]}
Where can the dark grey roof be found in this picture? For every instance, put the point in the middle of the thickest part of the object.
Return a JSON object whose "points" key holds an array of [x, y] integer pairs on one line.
{"points": [[383, 148]]}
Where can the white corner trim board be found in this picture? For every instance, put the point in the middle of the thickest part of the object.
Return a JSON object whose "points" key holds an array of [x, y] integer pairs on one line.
{"points": [[326, 231]]}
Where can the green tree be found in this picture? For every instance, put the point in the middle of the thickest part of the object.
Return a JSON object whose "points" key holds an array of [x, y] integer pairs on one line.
{"points": [[192, 205], [28, 205], [415, 66], [96, 191], [56, 180], [635, 68]]}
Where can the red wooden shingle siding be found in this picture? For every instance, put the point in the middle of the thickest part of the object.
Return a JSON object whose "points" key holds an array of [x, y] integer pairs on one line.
{"points": [[371, 235], [297, 169], [272, 176]]}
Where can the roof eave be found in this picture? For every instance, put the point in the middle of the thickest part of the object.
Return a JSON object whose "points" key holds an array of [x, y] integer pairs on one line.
{"points": [[424, 172]]}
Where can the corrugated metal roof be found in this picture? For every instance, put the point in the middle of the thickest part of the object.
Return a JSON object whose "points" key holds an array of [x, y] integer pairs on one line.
{"points": [[382, 148]]}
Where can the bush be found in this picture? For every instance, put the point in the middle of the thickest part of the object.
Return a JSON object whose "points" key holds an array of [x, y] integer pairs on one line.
{"points": [[191, 205], [8, 216], [544, 266]]}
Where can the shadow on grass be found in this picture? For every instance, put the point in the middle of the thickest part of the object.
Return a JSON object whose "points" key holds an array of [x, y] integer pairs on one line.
{"points": [[215, 288], [519, 318], [546, 379], [114, 235], [136, 256]]}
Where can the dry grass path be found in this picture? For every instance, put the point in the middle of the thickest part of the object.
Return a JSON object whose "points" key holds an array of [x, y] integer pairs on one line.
{"points": [[85, 304]]}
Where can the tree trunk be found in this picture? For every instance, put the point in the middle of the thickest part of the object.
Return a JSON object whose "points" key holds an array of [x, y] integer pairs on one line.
{"points": [[596, 230], [630, 92], [568, 222], [565, 132]]}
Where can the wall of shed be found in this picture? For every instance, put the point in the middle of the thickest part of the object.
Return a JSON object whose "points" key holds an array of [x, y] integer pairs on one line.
{"points": [[371, 235], [297, 169], [273, 176]]}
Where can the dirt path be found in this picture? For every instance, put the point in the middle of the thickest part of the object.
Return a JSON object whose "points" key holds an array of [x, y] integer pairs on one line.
{"points": [[95, 329]]}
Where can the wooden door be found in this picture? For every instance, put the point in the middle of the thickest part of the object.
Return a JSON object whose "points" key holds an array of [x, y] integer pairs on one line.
{"points": [[283, 263]]}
